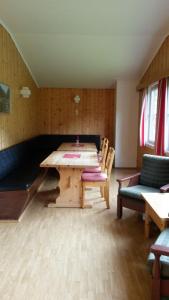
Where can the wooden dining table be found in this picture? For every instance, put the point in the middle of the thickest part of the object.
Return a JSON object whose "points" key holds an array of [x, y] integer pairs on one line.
{"points": [[70, 165], [77, 147]]}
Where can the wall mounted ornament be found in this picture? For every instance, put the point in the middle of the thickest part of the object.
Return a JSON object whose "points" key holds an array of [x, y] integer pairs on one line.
{"points": [[25, 92], [4, 98], [77, 99]]}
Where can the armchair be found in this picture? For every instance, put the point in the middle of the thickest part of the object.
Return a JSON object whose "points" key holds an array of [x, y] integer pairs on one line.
{"points": [[153, 178], [158, 262]]}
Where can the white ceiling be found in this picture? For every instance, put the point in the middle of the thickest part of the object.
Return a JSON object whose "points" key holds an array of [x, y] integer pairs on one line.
{"points": [[86, 43]]}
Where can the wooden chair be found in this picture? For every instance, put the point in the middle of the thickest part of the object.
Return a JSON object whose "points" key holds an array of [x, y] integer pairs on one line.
{"points": [[158, 261], [101, 179], [102, 161], [103, 153]]}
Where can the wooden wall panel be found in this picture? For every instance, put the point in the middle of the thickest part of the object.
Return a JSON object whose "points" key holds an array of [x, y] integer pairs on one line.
{"points": [[21, 122], [49, 110], [96, 112], [158, 69]]}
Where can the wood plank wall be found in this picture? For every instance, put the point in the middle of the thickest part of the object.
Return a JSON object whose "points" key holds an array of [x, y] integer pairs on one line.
{"points": [[96, 112], [49, 111], [158, 69], [21, 122]]}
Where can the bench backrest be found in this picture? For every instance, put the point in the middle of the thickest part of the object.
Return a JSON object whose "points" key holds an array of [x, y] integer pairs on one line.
{"points": [[11, 158], [53, 141]]}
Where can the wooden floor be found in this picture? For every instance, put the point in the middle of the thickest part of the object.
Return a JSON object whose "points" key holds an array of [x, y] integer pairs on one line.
{"points": [[74, 254]]}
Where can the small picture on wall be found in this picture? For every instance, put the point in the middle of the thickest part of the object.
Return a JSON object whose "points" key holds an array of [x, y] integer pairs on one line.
{"points": [[4, 98]]}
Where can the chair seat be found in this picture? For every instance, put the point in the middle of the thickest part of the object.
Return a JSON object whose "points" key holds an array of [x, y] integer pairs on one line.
{"points": [[162, 240], [92, 170], [137, 190], [94, 177]]}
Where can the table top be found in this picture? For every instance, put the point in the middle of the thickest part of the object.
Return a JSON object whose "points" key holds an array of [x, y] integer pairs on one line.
{"points": [[77, 147], [79, 159], [159, 202]]}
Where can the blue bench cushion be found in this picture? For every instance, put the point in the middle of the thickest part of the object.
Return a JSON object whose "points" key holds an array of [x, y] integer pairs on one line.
{"points": [[162, 240], [20, 178], [11, 158], [155, 171], [53, 141], [136, 190]]}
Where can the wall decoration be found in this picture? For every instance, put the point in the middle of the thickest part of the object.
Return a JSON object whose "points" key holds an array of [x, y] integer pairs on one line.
{"points": [[4, 98]]}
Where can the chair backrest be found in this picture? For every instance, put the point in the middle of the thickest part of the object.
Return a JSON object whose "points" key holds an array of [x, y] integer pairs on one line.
{"points": [[155, 171], [104, 155], [104, 142], [101, 144], [109, 161]]}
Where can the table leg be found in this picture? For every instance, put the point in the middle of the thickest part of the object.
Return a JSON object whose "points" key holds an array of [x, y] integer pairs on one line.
{"points": [[70, 188], [147, 222]]}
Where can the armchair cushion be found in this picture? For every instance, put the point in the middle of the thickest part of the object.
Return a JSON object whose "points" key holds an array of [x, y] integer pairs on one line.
{"points": [[136, 191], [155, 171], [162, 240]]}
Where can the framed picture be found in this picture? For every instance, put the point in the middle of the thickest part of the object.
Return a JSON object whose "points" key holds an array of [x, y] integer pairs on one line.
{"points": [[4, 98]]}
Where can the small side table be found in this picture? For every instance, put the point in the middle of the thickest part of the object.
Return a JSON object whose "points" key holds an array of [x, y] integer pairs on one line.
{"points": [[156, 210]]}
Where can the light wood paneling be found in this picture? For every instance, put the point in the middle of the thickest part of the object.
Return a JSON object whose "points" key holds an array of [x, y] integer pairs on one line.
{"points": [[21, 122], [96, 112], [54, 111], [159, 67]]}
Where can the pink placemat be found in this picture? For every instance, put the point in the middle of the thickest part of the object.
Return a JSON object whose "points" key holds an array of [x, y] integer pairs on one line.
{"points": [[78, 145], [71, 155]]}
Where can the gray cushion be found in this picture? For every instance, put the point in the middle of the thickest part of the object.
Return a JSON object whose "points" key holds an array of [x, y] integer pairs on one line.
{"points": [[136, 190], [155, 171], [162, 240]]}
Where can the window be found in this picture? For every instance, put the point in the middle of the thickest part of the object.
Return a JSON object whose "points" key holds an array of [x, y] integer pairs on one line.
{"points": [[166, 140], [151, 114]]}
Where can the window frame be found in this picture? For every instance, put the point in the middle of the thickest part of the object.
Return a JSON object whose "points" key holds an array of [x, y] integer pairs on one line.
{"points": [[166, 149], [148, 142]]}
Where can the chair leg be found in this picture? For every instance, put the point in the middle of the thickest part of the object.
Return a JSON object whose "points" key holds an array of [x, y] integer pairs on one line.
{"points": [[155, 295], [119, 208], [102, 191], [83, 195], [106, 193]]}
